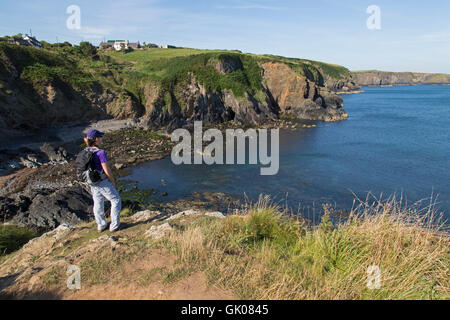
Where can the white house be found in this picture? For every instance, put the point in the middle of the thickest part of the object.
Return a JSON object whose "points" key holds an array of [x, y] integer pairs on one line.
{"points": [[26, 41], [119, 44]]}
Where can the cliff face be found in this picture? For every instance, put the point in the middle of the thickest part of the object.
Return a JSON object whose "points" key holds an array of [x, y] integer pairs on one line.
{"points": [[190, 101], [298, 96], [41, 88], [380, 78], [282, 92], [33, 101]]}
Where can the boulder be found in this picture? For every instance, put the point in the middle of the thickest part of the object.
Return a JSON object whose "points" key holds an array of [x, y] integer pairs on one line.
{"points": [[54, 154], [216, 214], [157, 232], [183, 213], [143, 216], [9, 207], [71, 205]]}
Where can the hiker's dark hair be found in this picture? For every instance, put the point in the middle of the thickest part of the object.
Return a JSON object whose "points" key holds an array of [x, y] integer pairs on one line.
{"points": [[89, 142]]}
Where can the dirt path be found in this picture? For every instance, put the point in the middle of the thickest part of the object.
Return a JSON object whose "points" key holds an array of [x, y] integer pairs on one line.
{"points": [[126, 265]]}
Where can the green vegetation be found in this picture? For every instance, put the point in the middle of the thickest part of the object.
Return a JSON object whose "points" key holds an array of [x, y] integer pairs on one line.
{"points": [[36, 65], [313, 70], [13, 238], [170, 67], [141, 57], [130, 71], [134, 199], [263, 254]]}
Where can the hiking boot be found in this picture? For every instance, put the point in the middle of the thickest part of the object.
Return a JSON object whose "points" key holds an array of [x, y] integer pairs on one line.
{"points": [[120, 227], [101, 229], [117, 229]]}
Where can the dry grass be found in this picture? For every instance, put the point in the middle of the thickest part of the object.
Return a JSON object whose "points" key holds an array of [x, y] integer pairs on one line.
{"points": [[264, 254]]}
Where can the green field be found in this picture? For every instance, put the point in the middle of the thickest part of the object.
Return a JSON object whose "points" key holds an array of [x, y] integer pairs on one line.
{"points": [[313, 70]]}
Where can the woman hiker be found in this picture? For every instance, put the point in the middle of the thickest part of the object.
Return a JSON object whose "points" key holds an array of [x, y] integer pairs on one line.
{"points": [[106, 187]]}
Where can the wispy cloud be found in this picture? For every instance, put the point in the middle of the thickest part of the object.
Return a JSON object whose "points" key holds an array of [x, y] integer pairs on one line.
{"points": [[92, 33], [251, 6], [436, 37]]}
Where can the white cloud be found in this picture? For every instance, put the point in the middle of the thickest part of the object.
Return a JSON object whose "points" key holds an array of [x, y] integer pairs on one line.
{"points": [[93, 33], [250, 6], [436, 37]]}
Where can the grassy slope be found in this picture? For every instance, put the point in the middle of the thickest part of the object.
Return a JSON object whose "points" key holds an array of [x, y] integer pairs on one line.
{"points": [[258, 253], [264, 255], [313, 70], [168, 68], [35, 65]]}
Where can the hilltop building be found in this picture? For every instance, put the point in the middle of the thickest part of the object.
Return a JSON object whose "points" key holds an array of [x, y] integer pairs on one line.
{"points": [[120, 44], [26, 41]]}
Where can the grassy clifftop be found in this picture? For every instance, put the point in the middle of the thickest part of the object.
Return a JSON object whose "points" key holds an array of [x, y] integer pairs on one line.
{"points": [[65, 83], [315, 71], [255, 253]]}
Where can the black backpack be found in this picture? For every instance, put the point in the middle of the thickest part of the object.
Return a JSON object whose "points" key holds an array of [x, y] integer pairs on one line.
{"points": [[85, 167]]}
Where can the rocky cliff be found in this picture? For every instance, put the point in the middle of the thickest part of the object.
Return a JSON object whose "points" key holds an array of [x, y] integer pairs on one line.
{"points": [[381, 78], [281, 91], [41, 88], [301, 97]]}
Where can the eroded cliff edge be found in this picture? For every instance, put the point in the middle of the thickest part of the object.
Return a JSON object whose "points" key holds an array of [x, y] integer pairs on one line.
{"points": [[43, 88], [384, 78]]}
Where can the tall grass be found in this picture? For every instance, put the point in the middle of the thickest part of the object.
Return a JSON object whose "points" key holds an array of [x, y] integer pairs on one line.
{"points": [[263, 254]]}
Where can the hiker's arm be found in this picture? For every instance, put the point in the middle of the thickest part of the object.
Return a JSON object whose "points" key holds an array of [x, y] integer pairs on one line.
{"points": [[108, 172]]}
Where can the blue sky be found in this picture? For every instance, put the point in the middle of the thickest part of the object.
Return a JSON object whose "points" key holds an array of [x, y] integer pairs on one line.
{"points": [[414, 35]]}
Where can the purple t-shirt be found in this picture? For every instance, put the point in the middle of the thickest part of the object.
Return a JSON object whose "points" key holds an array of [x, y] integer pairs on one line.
{"points": [[98, 158]]}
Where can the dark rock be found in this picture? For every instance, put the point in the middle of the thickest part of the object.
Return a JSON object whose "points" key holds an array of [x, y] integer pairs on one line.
{"points": [[227, 65], [10, 207], [70, 205], [54, 154]]}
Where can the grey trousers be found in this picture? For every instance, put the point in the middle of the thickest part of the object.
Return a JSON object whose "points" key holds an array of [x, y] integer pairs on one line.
{"points": [[105, 189]]}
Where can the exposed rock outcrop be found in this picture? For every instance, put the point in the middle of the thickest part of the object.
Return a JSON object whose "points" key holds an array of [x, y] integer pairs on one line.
{"points": [[71, 205], [344, 86], [382, 78], [26, 104], [283, 91], [190, 101], [297, 95], [40, 89]]}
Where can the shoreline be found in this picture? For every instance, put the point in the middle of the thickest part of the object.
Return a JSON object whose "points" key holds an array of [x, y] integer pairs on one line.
{"points": [[127, 144], [23, 189]]}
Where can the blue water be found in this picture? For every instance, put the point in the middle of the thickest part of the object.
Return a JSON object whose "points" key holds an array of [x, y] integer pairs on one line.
{"points": [[396, 141]]}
